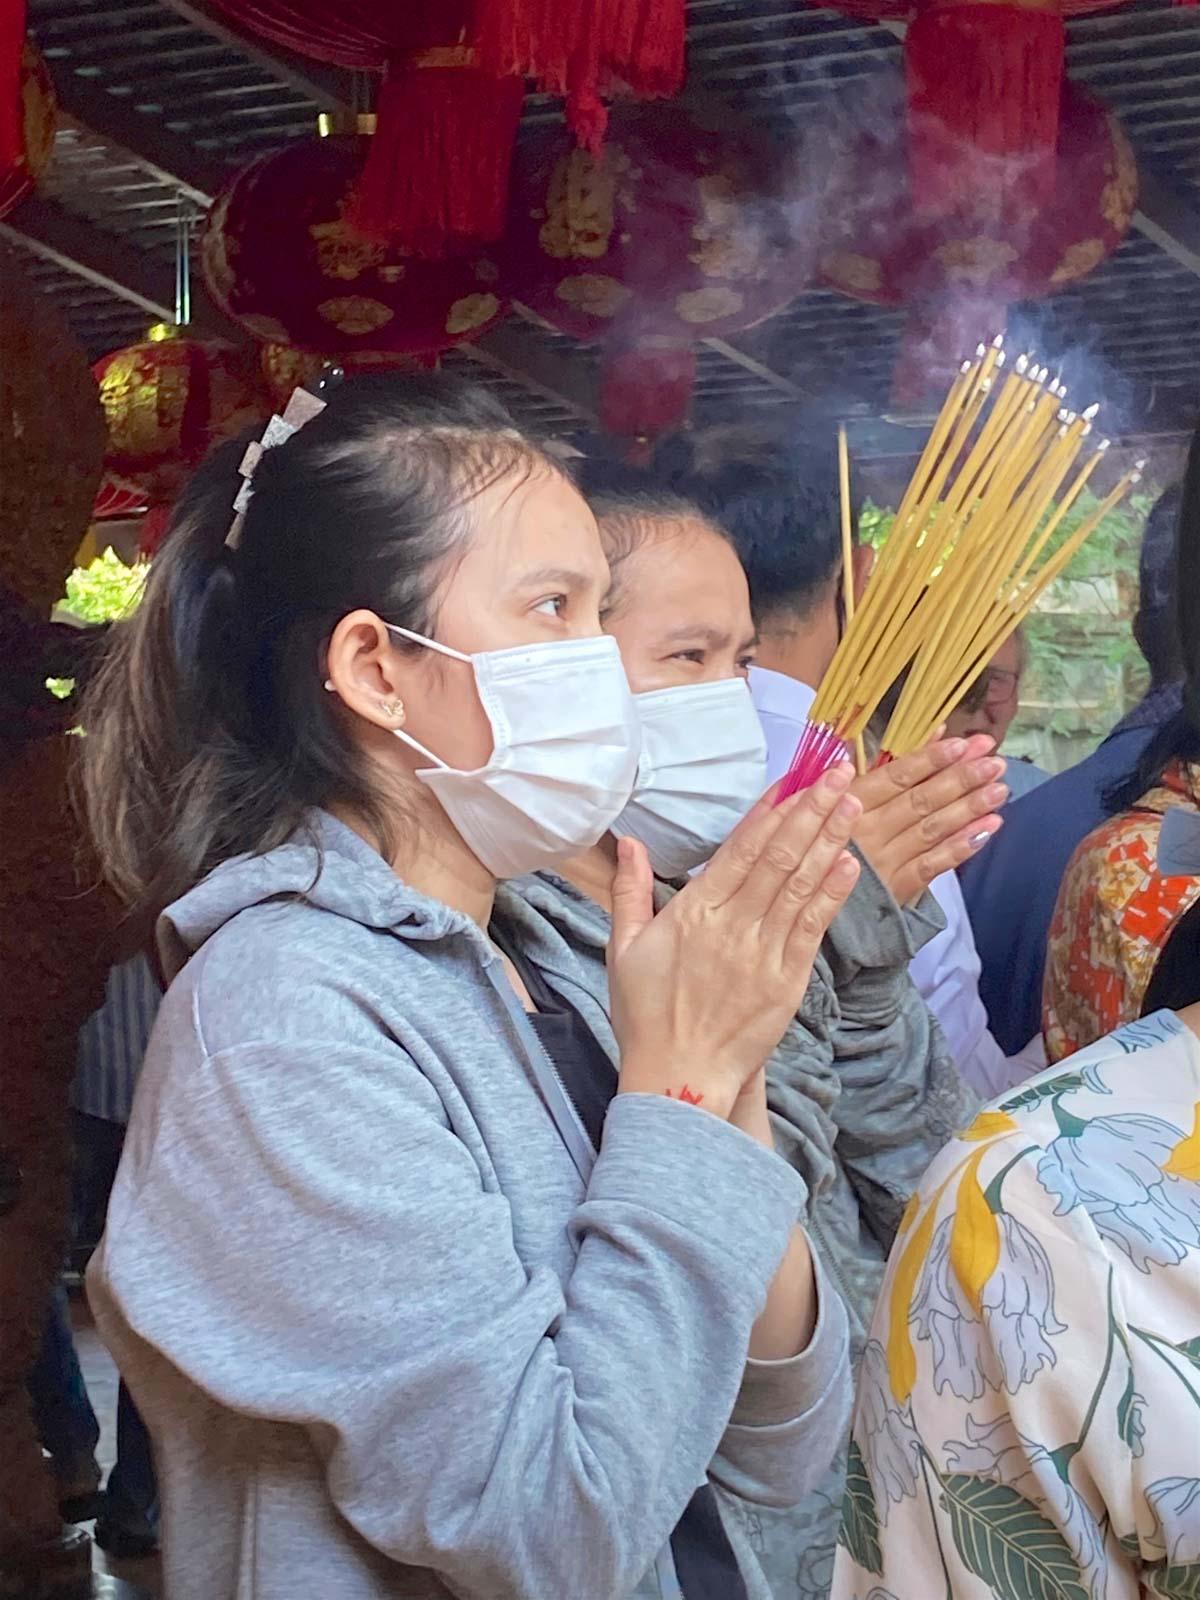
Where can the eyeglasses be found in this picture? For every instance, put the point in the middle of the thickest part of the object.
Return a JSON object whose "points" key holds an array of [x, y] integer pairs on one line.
{"points": [[1000, 686], [997, 688]]}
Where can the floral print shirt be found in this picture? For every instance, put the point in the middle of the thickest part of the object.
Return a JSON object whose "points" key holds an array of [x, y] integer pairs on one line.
{"points": [[1114, 916], [1028, 1415]]}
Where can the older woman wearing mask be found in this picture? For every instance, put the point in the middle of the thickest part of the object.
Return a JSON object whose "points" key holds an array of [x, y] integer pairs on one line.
{"points": [[861, 1092]]}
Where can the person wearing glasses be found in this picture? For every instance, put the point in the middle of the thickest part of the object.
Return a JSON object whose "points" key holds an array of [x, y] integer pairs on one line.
{"points": [[992, 704]]}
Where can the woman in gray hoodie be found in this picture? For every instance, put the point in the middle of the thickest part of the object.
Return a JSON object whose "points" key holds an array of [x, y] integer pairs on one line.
{"points": [[861, 1091], [422, 1291]]}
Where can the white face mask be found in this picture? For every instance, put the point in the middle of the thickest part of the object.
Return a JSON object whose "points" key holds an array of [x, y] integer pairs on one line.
{"points": [[704, 764], [564, 752]]}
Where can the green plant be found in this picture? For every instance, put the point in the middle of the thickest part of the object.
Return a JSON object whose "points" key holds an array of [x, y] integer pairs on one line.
{"points": [[106, 590], [1084, 669]]}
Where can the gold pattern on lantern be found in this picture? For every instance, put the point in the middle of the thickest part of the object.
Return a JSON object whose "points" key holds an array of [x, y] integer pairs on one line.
{"points": [[343, 253], [355, 314], [220, 249], [486, 271], [1079, 260], [472, 311], [143, 405], [852, 271], [38, 113], [697, 306], [579, 208], [393, 272], [594, 293], [1119, 195], [732, 255], [975, 261]]}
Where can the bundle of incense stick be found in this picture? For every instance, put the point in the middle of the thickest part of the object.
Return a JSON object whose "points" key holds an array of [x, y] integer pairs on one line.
{"points": [[967, 558]]}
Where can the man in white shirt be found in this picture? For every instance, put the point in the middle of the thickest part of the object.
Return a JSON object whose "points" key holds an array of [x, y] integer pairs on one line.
{"points": [[784, 522]]}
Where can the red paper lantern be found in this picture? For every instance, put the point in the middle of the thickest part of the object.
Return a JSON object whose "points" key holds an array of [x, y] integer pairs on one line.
{"points": [[38, 116], [453, 83], [168, 401], [280, 257], [959, 271], [677, 231]]}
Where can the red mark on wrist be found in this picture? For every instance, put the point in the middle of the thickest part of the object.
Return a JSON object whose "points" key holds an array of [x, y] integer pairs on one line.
{"points": [[688, 1096]]}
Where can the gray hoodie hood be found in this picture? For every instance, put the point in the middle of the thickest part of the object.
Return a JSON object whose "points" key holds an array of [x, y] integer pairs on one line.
{"points": [[329, 869]]}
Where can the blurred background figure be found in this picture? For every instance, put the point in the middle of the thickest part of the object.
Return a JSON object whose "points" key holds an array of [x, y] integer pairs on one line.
{"points": [[112, 1044], [1010, 888], [1125, 939]]}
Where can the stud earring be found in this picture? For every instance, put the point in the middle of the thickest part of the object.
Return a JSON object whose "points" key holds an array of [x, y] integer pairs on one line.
{"points": [[394, 711], [329, 686]]}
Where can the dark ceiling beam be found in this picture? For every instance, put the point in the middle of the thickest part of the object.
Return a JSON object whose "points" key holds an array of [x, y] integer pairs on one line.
{"points": [[1167, 215], [60, 236], [327, 87], [86, 105], [556, 378]]}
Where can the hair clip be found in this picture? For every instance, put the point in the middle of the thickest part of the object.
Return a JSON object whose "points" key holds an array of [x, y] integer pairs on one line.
{"points": [[301, 408]]}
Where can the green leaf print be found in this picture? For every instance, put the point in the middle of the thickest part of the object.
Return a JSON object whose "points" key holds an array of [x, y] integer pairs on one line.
{"points": [[1190, 1349], [860, 1519], [1172, 1582], [1007, 1543], [1028, 1098]]}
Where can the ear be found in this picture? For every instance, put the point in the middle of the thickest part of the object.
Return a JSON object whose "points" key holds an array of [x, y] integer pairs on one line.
{"points": [[365, 670], [862, 565]]}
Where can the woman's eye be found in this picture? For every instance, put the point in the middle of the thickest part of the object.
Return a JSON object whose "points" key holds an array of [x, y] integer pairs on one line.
{"points": [[552, 606], [696, 656], [744, 664]]}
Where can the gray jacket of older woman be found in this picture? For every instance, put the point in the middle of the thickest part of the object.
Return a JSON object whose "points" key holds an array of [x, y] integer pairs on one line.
{"points": [[863, 1094]]}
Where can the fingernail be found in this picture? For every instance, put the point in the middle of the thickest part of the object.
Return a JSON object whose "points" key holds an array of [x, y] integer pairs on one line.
{"points": [[992, 768], [839, 778], [978, 840], [955, 748], [849, 807], [846, 866], [996, 794]]}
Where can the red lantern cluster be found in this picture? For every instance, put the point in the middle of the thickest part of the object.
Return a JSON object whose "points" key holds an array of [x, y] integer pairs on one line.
{"points": [[38, 115], [454, 75], [281, 258], [964, 267], [677, 231]]}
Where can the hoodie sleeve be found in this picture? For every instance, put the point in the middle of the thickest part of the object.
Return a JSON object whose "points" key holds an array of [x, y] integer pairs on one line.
{"points": [[352, 1273], [791, 1416], [901, 1094]]}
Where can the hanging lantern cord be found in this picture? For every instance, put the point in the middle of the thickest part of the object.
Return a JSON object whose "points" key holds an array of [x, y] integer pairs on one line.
{"points": [[185, 217]]}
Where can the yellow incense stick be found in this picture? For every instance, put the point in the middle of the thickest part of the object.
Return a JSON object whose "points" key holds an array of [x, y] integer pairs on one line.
{"points": [[860, 753]]}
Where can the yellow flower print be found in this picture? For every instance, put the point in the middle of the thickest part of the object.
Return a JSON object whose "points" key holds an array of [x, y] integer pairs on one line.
{"points": [[974, 1236], [901, 1358], [989, 1125], [1184, 1160]]}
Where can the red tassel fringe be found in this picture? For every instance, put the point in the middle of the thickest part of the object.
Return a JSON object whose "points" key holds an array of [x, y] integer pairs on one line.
{"points": [[12, 120], [582, 48], [437, 173], [984, 90]]}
